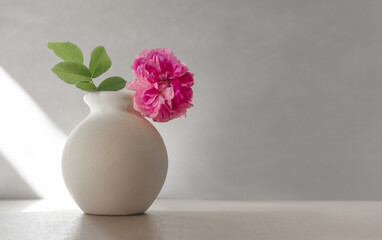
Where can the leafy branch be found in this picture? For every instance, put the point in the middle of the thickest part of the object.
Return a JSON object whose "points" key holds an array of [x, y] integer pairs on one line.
{"points": [[73, 71]]}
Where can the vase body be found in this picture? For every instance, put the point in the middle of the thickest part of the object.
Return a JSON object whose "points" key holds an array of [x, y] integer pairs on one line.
{"points": [[115, 161]]}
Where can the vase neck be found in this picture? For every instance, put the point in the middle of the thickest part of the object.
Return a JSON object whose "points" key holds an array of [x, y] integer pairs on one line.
{"points": [[109, 101]]}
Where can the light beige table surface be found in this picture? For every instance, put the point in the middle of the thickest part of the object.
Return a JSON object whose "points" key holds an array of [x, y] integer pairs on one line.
{"points": [[183, 219]]}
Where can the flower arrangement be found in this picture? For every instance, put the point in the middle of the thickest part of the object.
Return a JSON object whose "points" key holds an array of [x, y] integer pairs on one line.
{"points": [[162, 85]]}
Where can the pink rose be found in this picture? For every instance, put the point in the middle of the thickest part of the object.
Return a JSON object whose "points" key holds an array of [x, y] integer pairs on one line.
{"points": [[163, 85]]}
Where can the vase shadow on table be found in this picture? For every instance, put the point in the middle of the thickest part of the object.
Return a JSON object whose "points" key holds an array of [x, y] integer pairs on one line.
{"points": [[141, 226]]}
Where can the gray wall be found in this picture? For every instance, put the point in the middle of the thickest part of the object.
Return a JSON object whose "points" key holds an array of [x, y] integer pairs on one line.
{"points": [[287, 96]]}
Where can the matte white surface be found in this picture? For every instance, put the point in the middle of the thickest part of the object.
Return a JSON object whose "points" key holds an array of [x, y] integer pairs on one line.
{"points": [[209, 220], [287, 93], [114, 162]]}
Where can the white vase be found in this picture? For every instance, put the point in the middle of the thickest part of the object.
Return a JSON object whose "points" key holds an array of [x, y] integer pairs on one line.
{"points": [[115, 161]]}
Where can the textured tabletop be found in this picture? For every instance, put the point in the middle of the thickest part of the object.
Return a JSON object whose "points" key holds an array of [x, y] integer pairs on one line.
{"points": [[186, 219]]}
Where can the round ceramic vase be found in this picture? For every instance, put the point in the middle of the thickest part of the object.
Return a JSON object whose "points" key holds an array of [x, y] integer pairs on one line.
{"points": [[115, 161]]}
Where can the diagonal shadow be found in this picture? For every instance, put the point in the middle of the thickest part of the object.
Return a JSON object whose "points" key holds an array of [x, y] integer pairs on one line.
{"points": [[30, 143], [12, 185]]}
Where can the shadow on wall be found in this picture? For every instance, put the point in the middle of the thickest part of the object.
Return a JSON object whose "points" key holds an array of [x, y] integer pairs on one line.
{"points": [[12, 185], [31, 144]]}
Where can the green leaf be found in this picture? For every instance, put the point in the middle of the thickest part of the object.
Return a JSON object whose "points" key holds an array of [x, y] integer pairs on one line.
{"points": [[99, 62], [72, 72], [112, 84], [67, 51], [87, 86]]}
